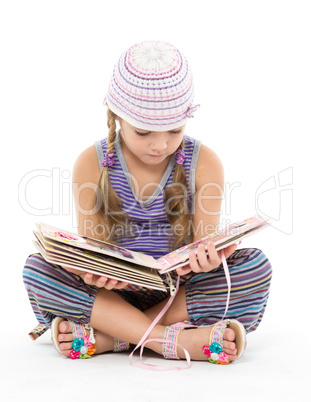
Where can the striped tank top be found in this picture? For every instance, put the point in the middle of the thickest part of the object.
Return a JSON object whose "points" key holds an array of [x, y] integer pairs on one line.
{"points": [[148, 228]]}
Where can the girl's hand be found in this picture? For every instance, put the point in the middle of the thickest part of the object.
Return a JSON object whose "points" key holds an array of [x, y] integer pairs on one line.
{"points": [[97, 280], [201, 262]]}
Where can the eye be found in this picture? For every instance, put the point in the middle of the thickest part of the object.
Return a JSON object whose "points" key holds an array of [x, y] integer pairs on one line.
{"points": [[175, 132], [141, 134]]}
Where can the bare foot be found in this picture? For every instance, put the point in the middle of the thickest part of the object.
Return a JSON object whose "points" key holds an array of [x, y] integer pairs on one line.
{"points": [[104, 343], [193, 341]]}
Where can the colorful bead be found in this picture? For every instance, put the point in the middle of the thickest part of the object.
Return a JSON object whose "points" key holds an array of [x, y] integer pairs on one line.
{"points": [[82, 346], [223, 362], [85, 356], [223, 357], [87, 341], [75, 354], [91, 350], [214, 356], [84, 350], [215, 347], [77, 344], [206, 351]]}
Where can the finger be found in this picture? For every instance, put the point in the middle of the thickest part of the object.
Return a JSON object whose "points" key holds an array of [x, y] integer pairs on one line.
{"points": [[110, 284], [88, 278], [202, 259], [183, 270], [195, 267], [230, 250], [213, 256], [101, 282]]}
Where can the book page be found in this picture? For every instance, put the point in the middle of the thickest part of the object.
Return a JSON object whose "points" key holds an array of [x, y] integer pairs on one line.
{"points": [[229, 235], [87, 243]]}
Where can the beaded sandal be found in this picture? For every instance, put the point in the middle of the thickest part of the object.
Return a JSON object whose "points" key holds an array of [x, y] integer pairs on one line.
{"points": [[83, 344], [214, 349]]}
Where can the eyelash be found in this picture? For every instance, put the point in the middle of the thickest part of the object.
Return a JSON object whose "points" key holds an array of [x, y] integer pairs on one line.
{"points": [[144, 134]]}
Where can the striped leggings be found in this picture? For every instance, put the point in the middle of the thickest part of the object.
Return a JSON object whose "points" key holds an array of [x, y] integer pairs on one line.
{"points": [[53, 291]]}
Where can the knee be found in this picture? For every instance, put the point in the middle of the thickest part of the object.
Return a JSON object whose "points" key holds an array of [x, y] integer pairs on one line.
{"points": [[261, 257], [31, 267], [38, 272], [260, 265]]}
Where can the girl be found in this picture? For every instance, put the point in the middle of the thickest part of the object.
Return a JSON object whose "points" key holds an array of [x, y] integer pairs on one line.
{"points": [[151, 188]]}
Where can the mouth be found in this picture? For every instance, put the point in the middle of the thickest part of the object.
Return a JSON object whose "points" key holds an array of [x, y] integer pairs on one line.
{"points": [[156, 156]]}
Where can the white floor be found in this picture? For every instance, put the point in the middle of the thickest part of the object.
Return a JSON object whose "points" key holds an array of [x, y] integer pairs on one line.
{"points": [[275, 367]]}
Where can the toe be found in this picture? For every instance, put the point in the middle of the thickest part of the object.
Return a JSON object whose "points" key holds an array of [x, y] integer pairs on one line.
{"points": [[230, 349], [66, 346], [229, 335], [66, 353], [232, 357], [229, 346], [64, 327], [65, 337], [232, 352], [65, 333]]}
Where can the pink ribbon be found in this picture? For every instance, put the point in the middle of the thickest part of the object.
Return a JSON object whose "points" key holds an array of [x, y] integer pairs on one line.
{"points": [[144, 339]]}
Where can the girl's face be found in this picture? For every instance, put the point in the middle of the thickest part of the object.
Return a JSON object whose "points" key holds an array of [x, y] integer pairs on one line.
{"points": [[151, 147]]}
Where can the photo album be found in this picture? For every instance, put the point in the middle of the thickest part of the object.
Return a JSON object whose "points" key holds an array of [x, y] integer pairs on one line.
{"points": [[86, 254]]}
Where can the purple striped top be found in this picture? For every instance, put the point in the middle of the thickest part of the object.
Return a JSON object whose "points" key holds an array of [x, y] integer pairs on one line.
{"points": [[149, 227]]}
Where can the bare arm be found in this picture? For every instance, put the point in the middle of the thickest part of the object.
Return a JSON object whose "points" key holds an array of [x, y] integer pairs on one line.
{"points": [[85, 179]]}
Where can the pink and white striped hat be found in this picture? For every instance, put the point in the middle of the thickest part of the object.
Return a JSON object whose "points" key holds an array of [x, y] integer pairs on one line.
{"points": [[152, 87]]}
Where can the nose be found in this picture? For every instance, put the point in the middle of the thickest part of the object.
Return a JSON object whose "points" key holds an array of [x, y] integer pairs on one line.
{"points": [[158, 142]]}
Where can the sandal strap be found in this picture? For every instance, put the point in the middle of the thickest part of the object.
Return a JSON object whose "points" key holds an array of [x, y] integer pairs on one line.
{"points": [[80, 330], [217, 332], [119, 345], [83, 342], [170, 342], [214, 350]]}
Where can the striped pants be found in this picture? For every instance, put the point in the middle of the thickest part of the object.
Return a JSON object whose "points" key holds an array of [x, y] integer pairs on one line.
{"points": [[53, 291]]}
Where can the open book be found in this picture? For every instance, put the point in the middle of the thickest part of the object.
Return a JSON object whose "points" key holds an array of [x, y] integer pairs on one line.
{"points": [[86, 254]]}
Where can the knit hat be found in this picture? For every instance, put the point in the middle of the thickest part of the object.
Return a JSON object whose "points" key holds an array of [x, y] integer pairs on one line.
{"points": [[152, 87]]}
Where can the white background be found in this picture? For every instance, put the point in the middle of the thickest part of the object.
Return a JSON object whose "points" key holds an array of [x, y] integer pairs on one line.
{"points": [[251, 65]]}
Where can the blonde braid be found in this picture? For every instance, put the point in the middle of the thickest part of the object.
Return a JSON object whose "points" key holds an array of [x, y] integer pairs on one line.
{"points": [[110, 213], [176, 201]]}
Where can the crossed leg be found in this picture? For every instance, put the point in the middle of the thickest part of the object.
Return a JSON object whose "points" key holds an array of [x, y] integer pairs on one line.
{"points": [[113, 317]]}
